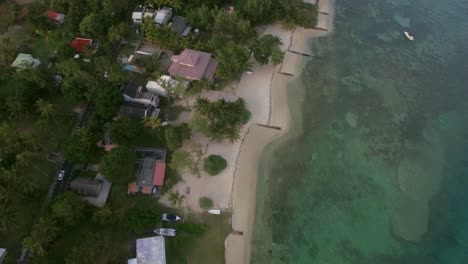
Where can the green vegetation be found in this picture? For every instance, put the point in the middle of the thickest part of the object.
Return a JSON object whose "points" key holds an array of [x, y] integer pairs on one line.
{"points": [[221, 119], [39, 109], [214, 164], [124, 130], [176, 199], [118, 165], [205, 203]]}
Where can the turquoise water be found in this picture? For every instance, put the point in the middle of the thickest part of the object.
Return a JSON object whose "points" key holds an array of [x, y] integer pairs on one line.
{"points": [[376, 168]]}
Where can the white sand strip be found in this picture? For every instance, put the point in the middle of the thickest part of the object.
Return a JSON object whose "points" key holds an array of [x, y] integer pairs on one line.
{"points": [[244, 191]]}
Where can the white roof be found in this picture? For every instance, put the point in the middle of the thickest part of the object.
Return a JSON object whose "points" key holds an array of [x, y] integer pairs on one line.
{"points": [[24, 61], [137, 15], [151, 250], [132, 261], [162, 14], [3, 252], [164, 82]]}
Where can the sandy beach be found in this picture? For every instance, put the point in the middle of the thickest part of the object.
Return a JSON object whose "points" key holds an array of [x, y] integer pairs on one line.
{"points": [[265, 92], [296, 45]]}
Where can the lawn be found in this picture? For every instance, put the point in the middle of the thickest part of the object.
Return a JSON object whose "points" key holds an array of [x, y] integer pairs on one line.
{"points": [[115, 242]]}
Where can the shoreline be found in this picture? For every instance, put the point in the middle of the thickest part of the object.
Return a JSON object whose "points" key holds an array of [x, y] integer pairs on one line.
{"points": [[297, 50]]}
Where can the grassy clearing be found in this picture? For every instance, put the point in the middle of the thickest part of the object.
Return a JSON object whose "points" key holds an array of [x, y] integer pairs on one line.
{"points": [[115, 242]]}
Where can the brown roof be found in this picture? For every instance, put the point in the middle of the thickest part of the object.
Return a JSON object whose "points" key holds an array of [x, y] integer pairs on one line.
{"points": [[147, 189], [193, 65], [132, 188]]}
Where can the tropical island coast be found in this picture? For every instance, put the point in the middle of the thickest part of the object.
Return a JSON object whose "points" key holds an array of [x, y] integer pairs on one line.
{"points": [[118, 114]]}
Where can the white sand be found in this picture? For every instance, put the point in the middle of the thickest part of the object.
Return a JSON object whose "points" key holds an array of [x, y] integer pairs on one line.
{"points": [[265, 93]]}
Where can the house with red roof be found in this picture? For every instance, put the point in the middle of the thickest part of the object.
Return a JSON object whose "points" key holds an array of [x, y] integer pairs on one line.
{"points": [[193, 65], [81, 44], [55, 17], [150, 171]]}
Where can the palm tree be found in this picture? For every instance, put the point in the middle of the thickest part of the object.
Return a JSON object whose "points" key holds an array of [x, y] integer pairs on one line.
{"points": [[102, 215], [42, 234], [7, 219], [176, 199], [44, 108], [152, 122]]}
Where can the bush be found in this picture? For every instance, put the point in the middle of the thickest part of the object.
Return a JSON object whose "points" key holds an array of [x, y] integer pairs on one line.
{"points": [[205, 203], [214, 164]]}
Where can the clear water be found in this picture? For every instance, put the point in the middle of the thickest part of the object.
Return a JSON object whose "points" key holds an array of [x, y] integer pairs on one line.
{"points": [[377, 168]]}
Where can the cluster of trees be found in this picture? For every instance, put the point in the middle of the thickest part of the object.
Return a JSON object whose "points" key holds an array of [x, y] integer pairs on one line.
{"points": [[118, 164], [221, 119]]}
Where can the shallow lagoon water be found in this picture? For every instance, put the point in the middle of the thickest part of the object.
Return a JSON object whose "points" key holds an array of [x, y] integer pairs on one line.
{"points": [[375, 168]]}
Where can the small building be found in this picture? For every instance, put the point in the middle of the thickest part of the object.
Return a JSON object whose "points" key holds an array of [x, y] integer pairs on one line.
{"points": [[149, 13], [150, 250], [163, 15], [25, 61], [193, 65], [133, 92], [57, 18], [81, 44], [164, 85], [179, 25], [137, 15], [3, 253], [150, 171], [139, 111], [95, 191]]}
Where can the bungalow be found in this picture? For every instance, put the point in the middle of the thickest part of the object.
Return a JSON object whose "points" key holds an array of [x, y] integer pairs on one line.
{"points": [[133, 92], [137, 15], [150, 250], [57, 18], [81, 44], [24, 61], [163, 15], [179, 25], [139, 111], [193, 65], [164, 85], [150, 172], [95, 191]]}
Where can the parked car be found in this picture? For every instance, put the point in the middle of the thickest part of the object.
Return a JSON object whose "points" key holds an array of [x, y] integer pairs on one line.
{"points": [[60, 175]]}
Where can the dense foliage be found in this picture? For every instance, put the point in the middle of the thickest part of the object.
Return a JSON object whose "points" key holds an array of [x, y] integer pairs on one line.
{"points": [[79, 147], [117, 165], [124, 130], [220, 119], [214, 164]]}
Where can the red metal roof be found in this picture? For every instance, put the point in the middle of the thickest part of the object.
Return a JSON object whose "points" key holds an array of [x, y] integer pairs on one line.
{"points": [[159, 173], [80, 44], [57, 17]]}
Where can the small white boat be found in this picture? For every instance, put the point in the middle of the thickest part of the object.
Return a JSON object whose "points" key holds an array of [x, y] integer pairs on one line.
{"points": [[409, 36], [214, 212], [170, 218], [165, 232]]}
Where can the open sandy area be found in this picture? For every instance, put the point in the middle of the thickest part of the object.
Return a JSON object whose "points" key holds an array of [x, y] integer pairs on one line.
{"points": [[265, 92]]}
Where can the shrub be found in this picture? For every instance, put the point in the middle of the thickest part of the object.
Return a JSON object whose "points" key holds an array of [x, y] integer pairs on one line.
{"points": [[205, 203], [214, 164]]}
